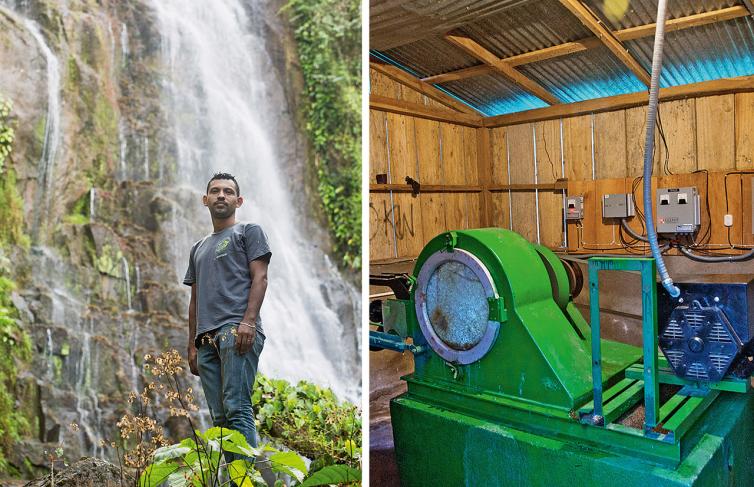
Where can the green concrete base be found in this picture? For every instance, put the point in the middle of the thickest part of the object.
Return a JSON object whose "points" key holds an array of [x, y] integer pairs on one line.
{"points": [[439, 447]]}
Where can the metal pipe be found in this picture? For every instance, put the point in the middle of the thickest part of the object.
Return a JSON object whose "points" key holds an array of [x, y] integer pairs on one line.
{"points": [[654, 86]]}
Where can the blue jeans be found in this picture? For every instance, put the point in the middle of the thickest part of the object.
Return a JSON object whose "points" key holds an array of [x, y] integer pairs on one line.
{"points": [[227, 379]]}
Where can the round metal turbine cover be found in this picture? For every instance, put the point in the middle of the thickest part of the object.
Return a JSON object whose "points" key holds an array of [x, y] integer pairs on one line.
{"points": [[452, 306]]}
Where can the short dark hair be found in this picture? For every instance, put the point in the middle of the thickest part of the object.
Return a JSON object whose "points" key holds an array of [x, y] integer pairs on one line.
{"points": [[224, 175]]}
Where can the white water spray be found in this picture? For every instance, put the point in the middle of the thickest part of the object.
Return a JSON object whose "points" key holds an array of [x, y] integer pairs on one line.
{"points": [[52, 123], [127, 277]]}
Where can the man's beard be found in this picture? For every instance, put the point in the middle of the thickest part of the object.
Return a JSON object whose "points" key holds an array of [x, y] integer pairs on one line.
{"points": [[222, 212]]}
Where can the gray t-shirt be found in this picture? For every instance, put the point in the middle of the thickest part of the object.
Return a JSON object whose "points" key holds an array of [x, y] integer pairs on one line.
{"points": [[219, 265]]}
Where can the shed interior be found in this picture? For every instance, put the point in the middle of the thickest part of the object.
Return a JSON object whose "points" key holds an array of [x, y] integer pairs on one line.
{"points": [[495, 113]]}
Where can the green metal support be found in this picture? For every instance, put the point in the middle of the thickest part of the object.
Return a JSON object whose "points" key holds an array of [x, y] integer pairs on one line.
{"points": [[648, 271]]}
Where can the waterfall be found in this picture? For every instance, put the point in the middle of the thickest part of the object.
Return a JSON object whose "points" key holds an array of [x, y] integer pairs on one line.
{"points": [[127, 277], [92, 195], [225, 102], [124, 44], [52, 122], [123, 143], [87, 402], [146, 158], [48, 355]]}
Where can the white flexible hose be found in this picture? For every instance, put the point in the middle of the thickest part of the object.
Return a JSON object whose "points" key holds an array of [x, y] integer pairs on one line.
{"points": [[654, 88]]}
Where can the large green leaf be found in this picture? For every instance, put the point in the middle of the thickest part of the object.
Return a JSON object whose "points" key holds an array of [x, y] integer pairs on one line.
{"points": [[180, 478], [170, 452], [290, 463], [333, 475], [240, 474], [156, 474]]}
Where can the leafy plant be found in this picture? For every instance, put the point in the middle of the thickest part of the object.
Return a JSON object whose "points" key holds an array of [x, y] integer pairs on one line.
{"points": [[11, 204], [310, 420], [198, 461], [328, 36], [15, 350]]}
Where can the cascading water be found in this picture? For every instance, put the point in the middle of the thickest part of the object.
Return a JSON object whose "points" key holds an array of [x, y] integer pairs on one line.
{"points": [[224, 101], [52, 124]]}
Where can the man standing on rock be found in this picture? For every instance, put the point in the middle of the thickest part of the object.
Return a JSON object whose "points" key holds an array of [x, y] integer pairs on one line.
{"points": [[227, 273]]}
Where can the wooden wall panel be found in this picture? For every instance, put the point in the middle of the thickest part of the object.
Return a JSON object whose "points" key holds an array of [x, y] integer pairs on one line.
{"points": [[746, 210], [381, 240], [472, 201], [610, 145], [521, 149], [582, 233], [712, 133], [744, 120], [715, 131], [401, 148], [549, 169], [432, 204], [577, 146], [500, 209], [607, 234], [678, 124], [638, 196], [499, 162], [636, 124], [409, 236], [383, 86], [377, 145], [454, 172]]}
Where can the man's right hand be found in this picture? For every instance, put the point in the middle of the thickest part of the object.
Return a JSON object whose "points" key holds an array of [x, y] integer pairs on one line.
{"points": [[192, 359]]}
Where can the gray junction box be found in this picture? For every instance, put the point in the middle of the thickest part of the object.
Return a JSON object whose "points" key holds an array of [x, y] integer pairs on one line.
{"points": [[617, 206], [678, 210]]}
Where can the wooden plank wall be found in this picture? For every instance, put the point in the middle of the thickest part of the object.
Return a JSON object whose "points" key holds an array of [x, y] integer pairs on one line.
{"points": [[706, 139], [429, 152], [598, 154]]}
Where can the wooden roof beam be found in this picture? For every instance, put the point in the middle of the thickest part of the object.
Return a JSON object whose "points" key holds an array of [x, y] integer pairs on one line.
{"points": [[629, 34], [476, 50], [391, 105], [402, 77], [619, 102], [593, 23], [749, 6]]}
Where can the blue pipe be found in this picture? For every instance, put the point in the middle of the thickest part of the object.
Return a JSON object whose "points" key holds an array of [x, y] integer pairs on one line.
{"points": [[654, 87]]}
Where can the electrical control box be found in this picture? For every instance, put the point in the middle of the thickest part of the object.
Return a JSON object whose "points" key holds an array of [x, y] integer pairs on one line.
{"points": [[678, 210], [574, 209], [617, 206]]}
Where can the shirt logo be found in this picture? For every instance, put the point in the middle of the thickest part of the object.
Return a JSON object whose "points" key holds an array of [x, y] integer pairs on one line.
{"points": [[222, 248]]}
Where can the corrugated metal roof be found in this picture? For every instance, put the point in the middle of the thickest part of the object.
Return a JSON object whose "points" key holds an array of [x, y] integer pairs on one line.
{"points": [[712, 51], [431, 56], [526, 28], [702, 53], [642, 12], [493, 95], [584, 75], [393, 23]]}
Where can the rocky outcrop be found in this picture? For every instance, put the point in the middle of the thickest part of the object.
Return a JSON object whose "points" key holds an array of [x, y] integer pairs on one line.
{"points": [[87, 472]]}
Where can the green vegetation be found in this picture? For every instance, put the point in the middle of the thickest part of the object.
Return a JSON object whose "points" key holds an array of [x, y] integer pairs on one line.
{"points": [[11, 204], [79, 214], [198, 461], [15, 350], [308, 419], [328, 36]]}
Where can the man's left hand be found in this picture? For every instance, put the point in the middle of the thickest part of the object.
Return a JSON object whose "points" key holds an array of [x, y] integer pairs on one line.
{"points": [[245, 336]]}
